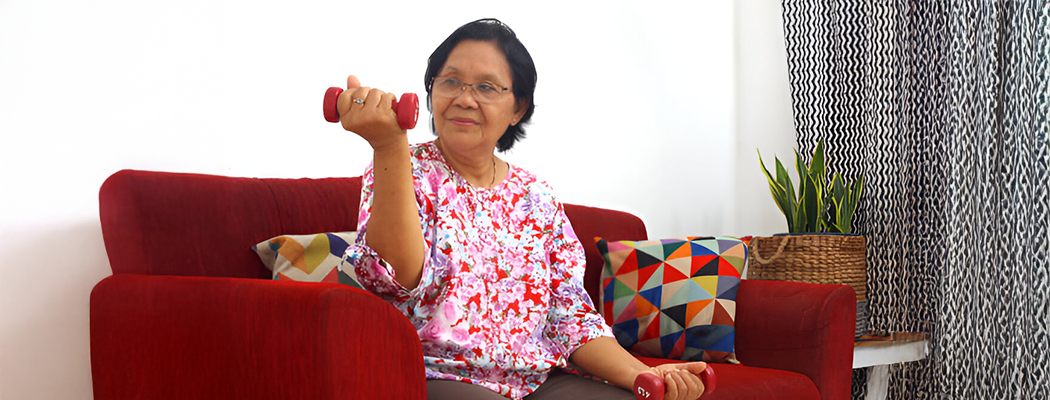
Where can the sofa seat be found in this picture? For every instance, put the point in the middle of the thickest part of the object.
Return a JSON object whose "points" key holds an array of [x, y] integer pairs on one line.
{"points": [[739, 382]]}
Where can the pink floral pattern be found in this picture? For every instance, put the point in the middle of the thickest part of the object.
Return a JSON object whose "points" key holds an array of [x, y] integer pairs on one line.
{"points": [[501, 300]]}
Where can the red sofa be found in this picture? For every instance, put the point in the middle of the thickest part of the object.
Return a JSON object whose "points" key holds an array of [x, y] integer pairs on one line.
{"points": [[189, 312]]}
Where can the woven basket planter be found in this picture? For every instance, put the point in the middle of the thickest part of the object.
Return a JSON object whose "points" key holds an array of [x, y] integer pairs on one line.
{"points": [[814, 258]]}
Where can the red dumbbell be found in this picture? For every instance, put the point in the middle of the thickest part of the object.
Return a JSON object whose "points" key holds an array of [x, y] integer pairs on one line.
{"points": [[407, 109], [651, 387]]}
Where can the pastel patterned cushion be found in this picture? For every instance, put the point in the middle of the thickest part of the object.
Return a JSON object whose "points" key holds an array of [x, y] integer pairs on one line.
{"points": [[308, 258], [673, 298]]}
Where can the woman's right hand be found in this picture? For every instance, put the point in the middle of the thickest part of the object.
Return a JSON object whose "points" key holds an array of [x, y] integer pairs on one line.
{"points": [[394, 229], [373, 118]]}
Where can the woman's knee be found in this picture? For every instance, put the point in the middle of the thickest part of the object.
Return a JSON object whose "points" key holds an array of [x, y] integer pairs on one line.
{"points": [[444, 389], [562, 385]]}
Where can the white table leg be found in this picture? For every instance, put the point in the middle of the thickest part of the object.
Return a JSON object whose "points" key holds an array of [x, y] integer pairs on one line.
{"points": [[878, 382]]}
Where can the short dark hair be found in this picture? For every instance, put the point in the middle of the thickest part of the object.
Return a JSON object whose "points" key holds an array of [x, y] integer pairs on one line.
{"points": [[522, 69]]}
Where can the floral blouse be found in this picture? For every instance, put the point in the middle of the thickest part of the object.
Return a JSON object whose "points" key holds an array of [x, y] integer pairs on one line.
{"points": [[501, 299]]}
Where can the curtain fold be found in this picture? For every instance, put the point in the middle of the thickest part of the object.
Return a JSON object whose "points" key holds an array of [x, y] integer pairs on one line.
{"points": [[944, 107]]}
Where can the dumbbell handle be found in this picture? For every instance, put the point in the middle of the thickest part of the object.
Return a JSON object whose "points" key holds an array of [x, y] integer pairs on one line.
{"points": [[651, 386], [407, 109]]}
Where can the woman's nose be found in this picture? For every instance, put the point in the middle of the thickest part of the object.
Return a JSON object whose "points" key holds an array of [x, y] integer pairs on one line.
{"points": [[465, 98]]}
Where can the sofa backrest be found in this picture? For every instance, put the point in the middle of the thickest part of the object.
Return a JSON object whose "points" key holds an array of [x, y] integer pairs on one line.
{"points": [[163, 223], [591, 222]]}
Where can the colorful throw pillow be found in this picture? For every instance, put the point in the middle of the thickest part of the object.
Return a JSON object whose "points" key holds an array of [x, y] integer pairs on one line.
{"points": [[308, 258], [673, 298]]}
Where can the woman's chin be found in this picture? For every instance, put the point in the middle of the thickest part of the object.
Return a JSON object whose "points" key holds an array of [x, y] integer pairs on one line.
{"points": [[462, 135]]}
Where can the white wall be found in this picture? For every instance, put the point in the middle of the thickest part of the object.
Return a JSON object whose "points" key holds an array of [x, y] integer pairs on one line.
{"points": [[653, 108], [764, 118]]}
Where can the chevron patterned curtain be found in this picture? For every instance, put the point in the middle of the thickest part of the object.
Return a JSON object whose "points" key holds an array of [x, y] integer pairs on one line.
{"points": [[943, 106]]}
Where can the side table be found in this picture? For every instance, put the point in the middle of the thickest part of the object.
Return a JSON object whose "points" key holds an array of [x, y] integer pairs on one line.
{"points": [[877, 352]]}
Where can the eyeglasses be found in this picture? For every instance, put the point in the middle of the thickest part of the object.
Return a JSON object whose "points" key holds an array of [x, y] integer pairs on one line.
{"points": [[484, 92]]}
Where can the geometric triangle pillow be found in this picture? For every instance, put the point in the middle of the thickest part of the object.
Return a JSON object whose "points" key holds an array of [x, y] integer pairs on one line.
{"points": [[673, 298], [308, 258]]}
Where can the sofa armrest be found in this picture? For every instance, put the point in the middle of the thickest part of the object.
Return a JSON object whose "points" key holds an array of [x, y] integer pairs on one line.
{"points": [[801, 327], [167, 337]]}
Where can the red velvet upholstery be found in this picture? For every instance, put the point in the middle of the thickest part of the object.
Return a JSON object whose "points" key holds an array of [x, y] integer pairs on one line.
{"points": [[186, 317], [185, 224], [801, 327], [590, 222], [172, 337], [744, 382]]}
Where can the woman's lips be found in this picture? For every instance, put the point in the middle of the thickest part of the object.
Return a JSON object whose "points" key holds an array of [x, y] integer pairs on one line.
{"points": [[463, 122]]}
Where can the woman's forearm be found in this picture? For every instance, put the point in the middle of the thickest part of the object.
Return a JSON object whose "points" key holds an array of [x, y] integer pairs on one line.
{"points": [[604, 358], [394, 227]]}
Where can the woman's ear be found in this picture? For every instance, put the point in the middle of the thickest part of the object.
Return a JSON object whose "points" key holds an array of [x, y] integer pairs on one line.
{"points": [[523, 106]]}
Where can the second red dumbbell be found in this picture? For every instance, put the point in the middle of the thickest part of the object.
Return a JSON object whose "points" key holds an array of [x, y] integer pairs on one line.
{"points": [[407, 109], [651, 387]]}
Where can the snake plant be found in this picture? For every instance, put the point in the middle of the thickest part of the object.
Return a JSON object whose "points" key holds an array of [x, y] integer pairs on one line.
{"points": [[819, 206]]}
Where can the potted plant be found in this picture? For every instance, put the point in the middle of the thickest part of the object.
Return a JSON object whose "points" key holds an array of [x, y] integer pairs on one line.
{"points": [[819, 246], [820, 206]]}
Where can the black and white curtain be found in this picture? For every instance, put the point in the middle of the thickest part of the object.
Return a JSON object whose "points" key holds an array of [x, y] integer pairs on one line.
{"points": [[943, 105]]}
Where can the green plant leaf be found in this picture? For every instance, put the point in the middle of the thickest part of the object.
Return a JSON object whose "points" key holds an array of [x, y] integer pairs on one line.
{"points": [[800, 217], [792, 202], [838, 189], [822, 215], [818, 167], [803, 171], [811, 205], [810, 200], [834, 228], [851, 204], [845, 220], [779, 193], [800, 213], [858, 187], [840, 207], [779, 200]]}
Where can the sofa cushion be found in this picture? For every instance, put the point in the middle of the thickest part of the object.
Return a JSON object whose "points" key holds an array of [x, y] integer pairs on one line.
{"points": [[745, 382], [308, 258], [673, 298]]}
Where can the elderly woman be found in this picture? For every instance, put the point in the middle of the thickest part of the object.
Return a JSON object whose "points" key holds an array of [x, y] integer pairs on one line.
{"points": [[476, 252]]}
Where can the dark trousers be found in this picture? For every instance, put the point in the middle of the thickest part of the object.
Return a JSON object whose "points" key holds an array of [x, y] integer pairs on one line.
{"points": [[559, 385]]}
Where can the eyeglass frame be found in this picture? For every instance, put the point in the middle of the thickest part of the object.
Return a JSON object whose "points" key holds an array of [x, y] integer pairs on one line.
{"points": [[473, 87]]}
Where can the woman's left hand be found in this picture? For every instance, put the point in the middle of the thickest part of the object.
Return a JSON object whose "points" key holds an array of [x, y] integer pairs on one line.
{"points": [[682, 380], [603, 357]]}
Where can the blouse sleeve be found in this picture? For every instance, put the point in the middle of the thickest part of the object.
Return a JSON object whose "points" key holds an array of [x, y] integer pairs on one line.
{"points": [[573, 319], [373, 272]]}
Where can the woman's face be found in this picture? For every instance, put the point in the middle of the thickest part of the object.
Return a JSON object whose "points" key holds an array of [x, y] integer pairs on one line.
{"points": [[464, 121]]}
